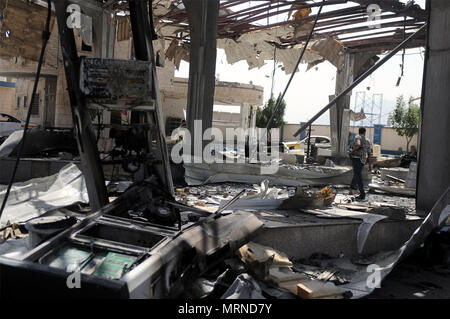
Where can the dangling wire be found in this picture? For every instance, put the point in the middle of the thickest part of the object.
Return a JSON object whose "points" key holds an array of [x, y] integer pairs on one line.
{"points": [[402, 66], [274, 68], [274, 59]]}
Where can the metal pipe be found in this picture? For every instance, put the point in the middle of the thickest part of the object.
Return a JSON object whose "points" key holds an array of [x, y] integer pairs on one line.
{"points": [[360, 79]]}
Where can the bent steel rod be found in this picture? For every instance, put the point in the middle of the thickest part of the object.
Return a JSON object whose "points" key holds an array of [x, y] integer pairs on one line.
{"points": [[361, 78]]}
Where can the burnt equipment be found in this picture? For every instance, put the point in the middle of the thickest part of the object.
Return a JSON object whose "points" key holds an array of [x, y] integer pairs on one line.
{"points": [[97, 83]]}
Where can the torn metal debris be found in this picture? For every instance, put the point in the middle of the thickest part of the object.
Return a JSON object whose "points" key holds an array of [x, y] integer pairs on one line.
{"points": [[219, 230]]}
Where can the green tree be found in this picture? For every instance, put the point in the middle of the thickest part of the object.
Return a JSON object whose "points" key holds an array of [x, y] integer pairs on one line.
{"points": [[405, 119], [263, 114]]}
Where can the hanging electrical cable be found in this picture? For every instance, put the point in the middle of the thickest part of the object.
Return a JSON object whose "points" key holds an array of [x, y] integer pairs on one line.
{"points": [[45, 37], [274, 69], [402, 66], [277, 105], [274, 58]]}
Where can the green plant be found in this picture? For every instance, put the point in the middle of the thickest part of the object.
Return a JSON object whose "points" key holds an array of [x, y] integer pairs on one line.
{"points": [[263, 114], [405, 119]]}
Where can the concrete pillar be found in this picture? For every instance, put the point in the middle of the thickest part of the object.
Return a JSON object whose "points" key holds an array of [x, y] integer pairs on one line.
{"points": [[202, 16], [434, 148], [338, 124], [245, 116], [104, 35], [253, 116], [354, 65]]}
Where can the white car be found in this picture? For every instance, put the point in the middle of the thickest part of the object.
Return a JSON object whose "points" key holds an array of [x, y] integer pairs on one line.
{"points": [[10, 124], [318, 141]]}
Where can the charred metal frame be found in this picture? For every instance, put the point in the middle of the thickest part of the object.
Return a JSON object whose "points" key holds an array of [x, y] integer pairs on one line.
{"points": [[233, 24], [143, 36], [161, 269], [359, 80], [91, 164], [90, 160]]}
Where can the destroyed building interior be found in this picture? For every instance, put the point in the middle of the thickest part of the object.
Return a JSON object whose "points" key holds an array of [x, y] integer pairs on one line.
{"points": [[111, 180]]}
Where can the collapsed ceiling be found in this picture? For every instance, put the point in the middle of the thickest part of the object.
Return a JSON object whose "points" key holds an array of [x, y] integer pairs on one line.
{"points": [[254, 31], [261, 30]]}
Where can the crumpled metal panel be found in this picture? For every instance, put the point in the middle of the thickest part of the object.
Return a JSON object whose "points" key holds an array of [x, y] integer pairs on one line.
{"points": [[386, 262], [37, 196], [331, 50]]}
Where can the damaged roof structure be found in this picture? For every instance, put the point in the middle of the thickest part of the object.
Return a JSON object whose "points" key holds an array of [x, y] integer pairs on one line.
{"points": [[247, 32], [230, 225]]}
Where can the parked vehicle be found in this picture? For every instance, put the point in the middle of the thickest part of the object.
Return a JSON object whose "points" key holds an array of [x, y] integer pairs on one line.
{"points": [[299, 147], [318, 141], [9, 124]]}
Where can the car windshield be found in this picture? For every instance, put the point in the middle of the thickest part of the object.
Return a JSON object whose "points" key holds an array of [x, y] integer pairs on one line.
{"points": [[8, 118], [321, 140]]}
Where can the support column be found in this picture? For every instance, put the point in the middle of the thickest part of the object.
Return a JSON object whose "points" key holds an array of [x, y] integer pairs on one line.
{"points": [[105, 32], [253, 116], [339, 124], [434, 151], [202, 16], [84, 132], [245, 116]]}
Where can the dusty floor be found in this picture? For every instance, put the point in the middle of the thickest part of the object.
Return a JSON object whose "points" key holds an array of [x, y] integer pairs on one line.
{"points": [[424, 275], [412, 281]]}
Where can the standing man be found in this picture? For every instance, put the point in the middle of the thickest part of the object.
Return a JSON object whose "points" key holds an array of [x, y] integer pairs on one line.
{"points": [[359, 155]]}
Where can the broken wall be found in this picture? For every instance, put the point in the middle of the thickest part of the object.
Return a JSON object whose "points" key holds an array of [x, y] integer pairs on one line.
{"points": [[7, 96], [24, 89], [21, 70], [22, 27]]}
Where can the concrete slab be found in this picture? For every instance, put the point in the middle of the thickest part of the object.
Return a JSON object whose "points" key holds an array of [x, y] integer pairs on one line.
{"points": [[301, 234]]}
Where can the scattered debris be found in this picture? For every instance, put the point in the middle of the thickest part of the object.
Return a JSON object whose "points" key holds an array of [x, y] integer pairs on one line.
{"points": [[11, 231], [275, 267], [286, 175], [304, 198], [315, 289], [396, 190], [244, 287], [394, 213], [393, 173]]}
